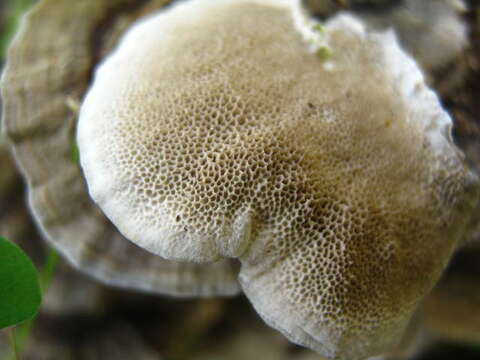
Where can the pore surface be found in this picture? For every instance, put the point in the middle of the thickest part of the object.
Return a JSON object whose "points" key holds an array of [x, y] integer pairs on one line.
{"points": [[334, 183]]}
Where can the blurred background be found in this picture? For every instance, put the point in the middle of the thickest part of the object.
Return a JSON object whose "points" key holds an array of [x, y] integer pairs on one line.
{"points": [[83, 319]]}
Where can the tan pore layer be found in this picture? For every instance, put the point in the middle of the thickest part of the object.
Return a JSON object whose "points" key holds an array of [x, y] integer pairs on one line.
{"points": [[342, 215]]}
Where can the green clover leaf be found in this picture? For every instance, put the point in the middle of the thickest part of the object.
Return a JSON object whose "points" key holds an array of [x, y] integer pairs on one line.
{"points": [[20, 295]]}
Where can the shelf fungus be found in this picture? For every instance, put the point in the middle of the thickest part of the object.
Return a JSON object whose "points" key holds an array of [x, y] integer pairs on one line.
{"points": [[334, 181], [40, 82], [314, 154]]}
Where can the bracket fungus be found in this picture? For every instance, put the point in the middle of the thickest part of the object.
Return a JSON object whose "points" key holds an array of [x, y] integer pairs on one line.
{"points": [[39, 80], [325, 167], [212, 132]]}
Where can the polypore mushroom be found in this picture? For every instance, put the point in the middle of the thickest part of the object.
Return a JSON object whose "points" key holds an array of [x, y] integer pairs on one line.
{"points": [[334, 181], [39, 81]]}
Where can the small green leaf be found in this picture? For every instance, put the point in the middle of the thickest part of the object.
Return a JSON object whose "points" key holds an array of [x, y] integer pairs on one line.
{"points": [[324, 52], [74, 153], [20, 295]]}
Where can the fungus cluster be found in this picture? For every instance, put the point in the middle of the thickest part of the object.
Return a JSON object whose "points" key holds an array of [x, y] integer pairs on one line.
{"points": [[311, 152], [333, 181]]}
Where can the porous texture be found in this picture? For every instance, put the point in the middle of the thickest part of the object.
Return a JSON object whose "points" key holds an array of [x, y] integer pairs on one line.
{"points": [[335, 183], [48, 68], [165, 157]]}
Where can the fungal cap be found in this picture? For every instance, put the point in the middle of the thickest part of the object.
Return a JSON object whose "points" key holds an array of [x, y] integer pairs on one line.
{"points": [[147, 207], [38, 82], [332, 187]]}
